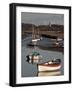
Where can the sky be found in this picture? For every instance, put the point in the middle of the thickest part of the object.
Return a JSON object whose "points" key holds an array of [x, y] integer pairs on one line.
{"points": [[42, 18]]}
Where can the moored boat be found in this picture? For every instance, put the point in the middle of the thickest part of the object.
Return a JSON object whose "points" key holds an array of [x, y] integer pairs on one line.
{"points": [[35, 57], [51, 65]]}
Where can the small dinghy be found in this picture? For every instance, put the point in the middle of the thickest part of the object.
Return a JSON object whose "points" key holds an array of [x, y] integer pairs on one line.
{"points": [[51, 65]]}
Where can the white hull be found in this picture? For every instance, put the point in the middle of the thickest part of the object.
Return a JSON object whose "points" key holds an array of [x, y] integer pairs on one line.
{"points": [[59, 39], [35, 40], [48, 68]]}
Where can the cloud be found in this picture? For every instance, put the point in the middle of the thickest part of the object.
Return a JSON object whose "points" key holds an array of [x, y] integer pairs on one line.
{"points": [[42, 18]]}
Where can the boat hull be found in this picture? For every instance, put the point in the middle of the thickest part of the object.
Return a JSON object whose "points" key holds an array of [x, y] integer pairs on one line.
{"points": [[48, 68]]}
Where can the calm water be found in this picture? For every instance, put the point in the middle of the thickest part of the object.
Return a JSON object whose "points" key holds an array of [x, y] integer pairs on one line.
{"points": [[30, 70]]}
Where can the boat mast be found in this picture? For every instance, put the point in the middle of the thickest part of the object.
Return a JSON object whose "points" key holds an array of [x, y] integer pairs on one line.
{"points": [[38, 33], [33, 33]]}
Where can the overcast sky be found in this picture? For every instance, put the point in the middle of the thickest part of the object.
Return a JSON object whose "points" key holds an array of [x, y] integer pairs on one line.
{"points": [[41, 18]]}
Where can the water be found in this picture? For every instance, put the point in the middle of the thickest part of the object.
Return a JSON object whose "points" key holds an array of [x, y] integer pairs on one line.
{"points": [[30, 70]]}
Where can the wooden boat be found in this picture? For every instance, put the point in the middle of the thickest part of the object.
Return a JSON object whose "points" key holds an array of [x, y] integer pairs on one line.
{"points": [[51, 65]]}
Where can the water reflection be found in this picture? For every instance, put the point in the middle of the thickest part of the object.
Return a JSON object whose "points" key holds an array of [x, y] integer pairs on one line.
{"points": [[51, 73]]}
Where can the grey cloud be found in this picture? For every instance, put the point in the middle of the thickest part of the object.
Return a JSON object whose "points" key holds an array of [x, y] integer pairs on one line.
{"points": [[42, 18]]}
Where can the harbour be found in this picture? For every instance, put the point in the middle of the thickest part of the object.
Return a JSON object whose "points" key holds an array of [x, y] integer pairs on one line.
{"points": [[48, 52], [42, 44]]}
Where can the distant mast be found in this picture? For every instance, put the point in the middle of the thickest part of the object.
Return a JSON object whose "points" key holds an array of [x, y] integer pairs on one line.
{"points": [[38, 33], [49, 24], [33, 32], [35, 35]]}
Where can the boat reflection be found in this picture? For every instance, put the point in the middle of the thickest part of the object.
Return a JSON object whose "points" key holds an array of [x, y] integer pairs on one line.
{"points": [[51, 73]]}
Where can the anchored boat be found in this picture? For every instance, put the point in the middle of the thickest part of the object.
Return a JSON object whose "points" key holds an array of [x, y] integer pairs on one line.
{"points": [[35, 57], [35, 37], [51, 65]]}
